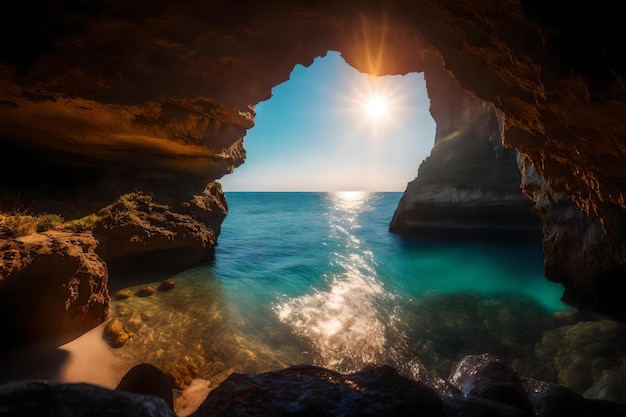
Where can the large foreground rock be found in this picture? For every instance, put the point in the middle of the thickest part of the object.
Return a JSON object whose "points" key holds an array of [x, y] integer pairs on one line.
{"points": [[486, 387], [52, 285], [43, 398], [311, 391]]}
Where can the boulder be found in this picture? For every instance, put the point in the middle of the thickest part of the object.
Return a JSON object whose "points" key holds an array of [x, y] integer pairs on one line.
{"points": [[146, 379], [44, 398], [487, 376], [307, 390], [52, 286]]}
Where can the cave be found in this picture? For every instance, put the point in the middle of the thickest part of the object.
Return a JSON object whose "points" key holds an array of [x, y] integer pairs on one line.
{"points": [[105, 98]]}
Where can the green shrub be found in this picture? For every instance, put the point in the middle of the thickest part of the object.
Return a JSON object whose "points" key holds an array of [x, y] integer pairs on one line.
{"points": [[84, 224], [46, 222]]}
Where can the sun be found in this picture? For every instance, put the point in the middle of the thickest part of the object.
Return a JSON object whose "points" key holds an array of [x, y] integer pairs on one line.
{"points": [[377, 107]]}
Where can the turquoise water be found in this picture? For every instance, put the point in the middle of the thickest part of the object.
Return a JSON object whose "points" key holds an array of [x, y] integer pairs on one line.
{"points": [[279, 246], [317, 278], [325, 266]]}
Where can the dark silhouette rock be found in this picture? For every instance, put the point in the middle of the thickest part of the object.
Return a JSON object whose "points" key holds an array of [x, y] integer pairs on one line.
{"points": [[551, 400], [473, 406], [147, 379], [488, 377], [311, 391], [43, 398]]}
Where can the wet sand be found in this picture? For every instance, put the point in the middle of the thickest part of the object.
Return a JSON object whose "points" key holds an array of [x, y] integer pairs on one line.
{"points": [[88, 359]]}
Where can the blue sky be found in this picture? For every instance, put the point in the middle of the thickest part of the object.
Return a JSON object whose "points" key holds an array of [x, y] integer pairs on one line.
{"points": [[316, 134]]}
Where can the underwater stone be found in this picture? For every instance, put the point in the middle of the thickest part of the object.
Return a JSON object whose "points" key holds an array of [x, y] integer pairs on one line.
{"points": [[145, 291]]}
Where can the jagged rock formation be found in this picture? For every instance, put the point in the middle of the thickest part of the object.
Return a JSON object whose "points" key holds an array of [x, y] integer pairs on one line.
{"points": [[469, 186]]}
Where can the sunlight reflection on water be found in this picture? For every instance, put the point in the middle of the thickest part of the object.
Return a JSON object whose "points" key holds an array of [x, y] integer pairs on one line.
{"points": [[352, 323], [317, 278]]}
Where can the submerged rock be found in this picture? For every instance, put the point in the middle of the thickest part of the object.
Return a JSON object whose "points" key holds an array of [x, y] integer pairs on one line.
{"points": [[147, 379], [115, 333], [183, 373], [145, 291], [583, 353], [123, 294], [553, 400], [166, 285]]}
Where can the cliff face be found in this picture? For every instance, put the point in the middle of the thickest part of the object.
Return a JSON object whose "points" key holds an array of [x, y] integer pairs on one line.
{"points": [[470, 184], [108, 97], [578, 253]]}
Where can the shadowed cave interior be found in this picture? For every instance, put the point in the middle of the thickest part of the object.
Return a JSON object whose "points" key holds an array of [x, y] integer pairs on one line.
{"points": [[152, 104]]}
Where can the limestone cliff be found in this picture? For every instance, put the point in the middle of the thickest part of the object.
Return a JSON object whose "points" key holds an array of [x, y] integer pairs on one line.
{"points": [[470, 184]]}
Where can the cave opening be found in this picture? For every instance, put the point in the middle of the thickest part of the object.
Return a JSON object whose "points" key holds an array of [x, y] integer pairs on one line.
{"points": [[332, 128]]}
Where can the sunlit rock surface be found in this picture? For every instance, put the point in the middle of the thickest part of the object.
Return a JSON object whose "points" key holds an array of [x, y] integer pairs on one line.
{"points": [[55, 284], [152, 235], [52, 286]]}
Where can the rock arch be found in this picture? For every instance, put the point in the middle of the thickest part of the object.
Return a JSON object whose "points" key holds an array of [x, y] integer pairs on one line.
{"points": [[108, 97]]}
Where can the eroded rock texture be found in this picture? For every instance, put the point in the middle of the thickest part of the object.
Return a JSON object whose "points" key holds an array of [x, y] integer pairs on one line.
{"points": [[52, 286], [153, 236], [107, 97]]}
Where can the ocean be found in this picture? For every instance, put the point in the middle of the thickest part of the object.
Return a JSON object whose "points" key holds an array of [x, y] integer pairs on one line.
{"points": [[317, 278], [304, 277]]}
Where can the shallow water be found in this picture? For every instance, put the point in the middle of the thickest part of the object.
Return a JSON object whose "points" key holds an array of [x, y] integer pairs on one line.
{"points": [[317, 278]]}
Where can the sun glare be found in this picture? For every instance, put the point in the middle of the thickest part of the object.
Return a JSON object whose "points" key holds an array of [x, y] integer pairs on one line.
{"points": [[377, 107]]}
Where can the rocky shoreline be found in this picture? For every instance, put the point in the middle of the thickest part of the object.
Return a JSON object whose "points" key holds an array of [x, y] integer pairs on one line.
{"points": [[79, 257], [479, 385]]}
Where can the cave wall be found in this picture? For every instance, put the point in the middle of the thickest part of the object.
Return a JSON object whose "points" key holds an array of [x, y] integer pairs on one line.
{"points": [[105, 97]]}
